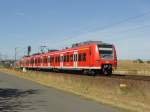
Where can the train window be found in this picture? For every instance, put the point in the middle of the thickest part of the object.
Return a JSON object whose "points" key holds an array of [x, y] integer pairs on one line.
{"points": [[55, 59], [32, 61], [38, 60], [106, 51], [67, 58], [79, 58], [45, 60], [84, 56], [48, 60], [64, 58], [41, 60], [76, 57], [51, 59], [58, 59], [71, 58]]}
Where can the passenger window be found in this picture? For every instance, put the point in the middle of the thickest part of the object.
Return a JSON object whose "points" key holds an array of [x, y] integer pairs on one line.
{"points": [[51, 59], [71, 58], [48, 59], [41, 60], [67, 58], [64, 58], [84, 56], [55, 59], [79, 58], [58, 58]]}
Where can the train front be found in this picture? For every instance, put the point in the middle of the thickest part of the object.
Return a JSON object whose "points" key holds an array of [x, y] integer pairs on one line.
{"points": [[107, 58]]}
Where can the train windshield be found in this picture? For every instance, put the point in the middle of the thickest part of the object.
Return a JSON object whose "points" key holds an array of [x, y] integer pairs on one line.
{"points": [[105, 51]]}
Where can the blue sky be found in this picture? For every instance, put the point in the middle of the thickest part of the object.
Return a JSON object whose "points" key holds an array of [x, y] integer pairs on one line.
{"points": [[59, 23]]}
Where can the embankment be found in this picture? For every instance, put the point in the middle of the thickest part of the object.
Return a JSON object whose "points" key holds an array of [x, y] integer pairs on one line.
{"points": [[128, 94]]}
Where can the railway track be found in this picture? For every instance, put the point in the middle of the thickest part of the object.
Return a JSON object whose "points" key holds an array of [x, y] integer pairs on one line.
{"points": [[114, 76], [131, 77]]}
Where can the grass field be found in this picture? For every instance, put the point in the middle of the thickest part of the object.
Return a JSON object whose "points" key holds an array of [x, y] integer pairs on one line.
{"points": [[133, 68], [128, 94]]}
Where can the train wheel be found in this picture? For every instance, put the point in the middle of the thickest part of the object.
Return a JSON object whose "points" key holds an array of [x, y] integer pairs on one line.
{"points": [[85, 72], [92, 73], [107, 70], [89, 72]]}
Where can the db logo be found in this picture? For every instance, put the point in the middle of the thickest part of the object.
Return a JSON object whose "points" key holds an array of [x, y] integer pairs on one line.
{"points": [[107, 62]]}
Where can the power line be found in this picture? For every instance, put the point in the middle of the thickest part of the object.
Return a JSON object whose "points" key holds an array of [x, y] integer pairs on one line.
{"points": [[130, 29], [111, 25], [134, 29]]}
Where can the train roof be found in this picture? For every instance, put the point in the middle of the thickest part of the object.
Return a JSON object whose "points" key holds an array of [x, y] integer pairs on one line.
{"points": [[89, 43], [74, 46]]}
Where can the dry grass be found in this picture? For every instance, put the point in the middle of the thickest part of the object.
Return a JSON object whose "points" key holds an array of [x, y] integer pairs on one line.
{"points": [[132, 68], [132, 95]]}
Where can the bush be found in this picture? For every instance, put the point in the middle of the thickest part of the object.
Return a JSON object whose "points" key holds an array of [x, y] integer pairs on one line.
{"points": [[148, 62], [139, 61]]}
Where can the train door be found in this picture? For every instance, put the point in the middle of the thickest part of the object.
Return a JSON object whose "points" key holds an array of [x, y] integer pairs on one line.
{"points": [[48, 61], [61, 60], [75, 58], [33, 62], [90, 57], [41, 61]]}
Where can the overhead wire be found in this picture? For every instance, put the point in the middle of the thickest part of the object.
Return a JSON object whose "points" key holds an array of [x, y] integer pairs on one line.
{"points": [[108, 26]]}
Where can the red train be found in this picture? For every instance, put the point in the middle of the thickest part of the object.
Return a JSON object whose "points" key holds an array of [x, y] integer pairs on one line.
{"points": [[90, 57]]}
